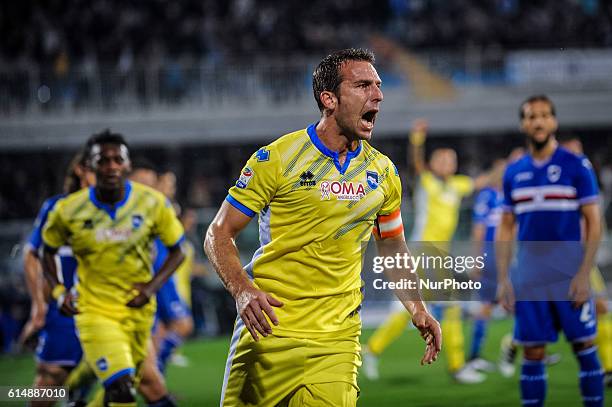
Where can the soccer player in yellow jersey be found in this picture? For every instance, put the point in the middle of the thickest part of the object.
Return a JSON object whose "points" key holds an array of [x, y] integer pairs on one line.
{"points": [[110, 228], [319, 192], [437, 201]]}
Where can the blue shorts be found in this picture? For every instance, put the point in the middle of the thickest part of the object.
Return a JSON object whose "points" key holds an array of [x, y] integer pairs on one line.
{"points": [[539, 322], [58, 343], [170, 306]]}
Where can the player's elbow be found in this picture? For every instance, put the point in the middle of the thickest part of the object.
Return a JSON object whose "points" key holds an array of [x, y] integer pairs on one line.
{"points": [[211, 236]]}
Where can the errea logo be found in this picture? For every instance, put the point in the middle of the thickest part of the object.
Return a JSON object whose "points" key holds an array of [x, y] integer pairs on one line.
{"points": [[306, 179]]}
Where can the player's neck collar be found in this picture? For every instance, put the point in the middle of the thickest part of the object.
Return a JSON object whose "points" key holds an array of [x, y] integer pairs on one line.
{"points": [[110, 209], [541, 163], [316, 141]]}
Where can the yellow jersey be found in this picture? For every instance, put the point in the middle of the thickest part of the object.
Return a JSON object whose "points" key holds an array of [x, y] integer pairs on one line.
{"points": [[437, 204], [113, 244], [314, 215], [182, 275]]}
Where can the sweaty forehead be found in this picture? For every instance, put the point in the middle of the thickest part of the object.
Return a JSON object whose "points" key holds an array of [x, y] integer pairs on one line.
{"points": [[359, 70]]}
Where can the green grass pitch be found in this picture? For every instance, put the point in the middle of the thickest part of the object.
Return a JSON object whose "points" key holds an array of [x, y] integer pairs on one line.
{"points": [[403, 381]]}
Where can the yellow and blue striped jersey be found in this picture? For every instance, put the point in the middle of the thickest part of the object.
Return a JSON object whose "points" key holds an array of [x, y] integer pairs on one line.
{"points": [[314, 214], [112, 244], [437, 204]]}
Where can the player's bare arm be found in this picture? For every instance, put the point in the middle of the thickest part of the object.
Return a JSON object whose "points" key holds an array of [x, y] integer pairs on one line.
{"points": [[220, 247], [64, 299], [580, 286], [418, 135], [477, 237], [34, 283], [146, 290], [503, 248], [427, 325]]}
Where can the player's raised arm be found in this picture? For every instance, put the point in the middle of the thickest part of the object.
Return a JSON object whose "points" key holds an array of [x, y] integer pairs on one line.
{"points": [[418, 135], [220, 247]]}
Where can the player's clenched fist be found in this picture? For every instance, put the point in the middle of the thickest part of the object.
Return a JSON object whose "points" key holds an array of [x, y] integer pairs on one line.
{"points": [[252, 304]]}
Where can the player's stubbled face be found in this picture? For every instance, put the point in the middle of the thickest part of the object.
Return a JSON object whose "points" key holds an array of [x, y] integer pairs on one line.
{"points": [[359, 98], [112, 164], [538, 122]]}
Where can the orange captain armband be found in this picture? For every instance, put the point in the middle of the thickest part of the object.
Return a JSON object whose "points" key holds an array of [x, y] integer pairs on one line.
{"points": [[390, 225]]}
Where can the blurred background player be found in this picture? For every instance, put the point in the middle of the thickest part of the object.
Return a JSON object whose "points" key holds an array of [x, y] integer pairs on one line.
{"points": [[486, 215], [58, 351], [437, 202], [173, 316], [546, 194], [173, 311], [111, 227], [598, 287]]}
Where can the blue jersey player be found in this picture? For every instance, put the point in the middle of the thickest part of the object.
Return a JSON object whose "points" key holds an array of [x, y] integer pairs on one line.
{"points": [[486, 215], [546, 193], [58, 350], [172, 311]]}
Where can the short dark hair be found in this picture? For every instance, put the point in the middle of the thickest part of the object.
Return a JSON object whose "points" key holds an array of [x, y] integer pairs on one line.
{"points": [[104, 137], [536, 98], [326, 76]]}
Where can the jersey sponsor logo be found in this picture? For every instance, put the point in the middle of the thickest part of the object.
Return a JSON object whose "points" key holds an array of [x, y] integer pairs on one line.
{"points": [[262, 154], [102, 364], [136, 221], [343, 191], [306, 179], [372, 179], [523, 176], [245, 177], [553, 172], [113, 234]]}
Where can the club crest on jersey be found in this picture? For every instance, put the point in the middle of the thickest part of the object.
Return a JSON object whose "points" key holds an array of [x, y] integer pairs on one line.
{"points": [[343, 191], [136, 221], [372, 178], [553, 172], [102, 364], [245, 177]]}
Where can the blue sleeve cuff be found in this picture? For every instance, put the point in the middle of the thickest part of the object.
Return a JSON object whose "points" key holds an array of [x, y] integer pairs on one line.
{"points": [[248, 212], [177, 244], [588, 199]]}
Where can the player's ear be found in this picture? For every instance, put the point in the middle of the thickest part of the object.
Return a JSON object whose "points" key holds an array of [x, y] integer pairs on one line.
{"points": [[328, 99]]}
